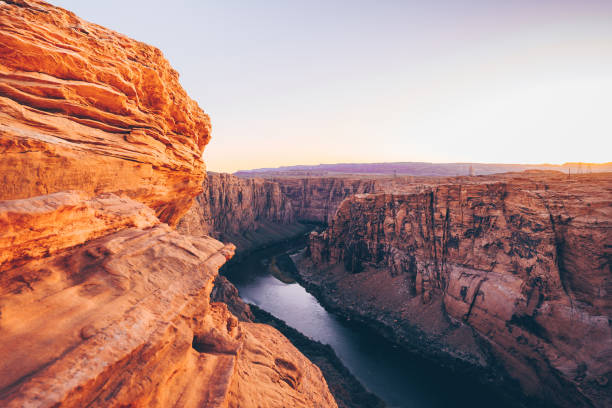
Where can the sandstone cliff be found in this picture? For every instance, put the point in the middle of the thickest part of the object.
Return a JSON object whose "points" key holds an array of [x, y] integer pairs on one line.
{"points": [[125, 319], [316, 199], [101, 302], [254, 211], [510, 278], [247, 212], [105, 109]]}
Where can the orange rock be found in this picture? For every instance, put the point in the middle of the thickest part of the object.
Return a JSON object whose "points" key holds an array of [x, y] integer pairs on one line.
{"points": [[230, 205], [125, 319], [296, 382], [101, 304], [41, 226], [85, 108]]}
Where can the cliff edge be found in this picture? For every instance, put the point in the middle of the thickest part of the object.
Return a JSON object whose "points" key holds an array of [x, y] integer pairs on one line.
{"points": [[86, 108], [102, 303]]}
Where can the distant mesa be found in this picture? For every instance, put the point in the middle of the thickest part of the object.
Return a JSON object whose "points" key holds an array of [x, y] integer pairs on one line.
{"points": [[420, 169]]}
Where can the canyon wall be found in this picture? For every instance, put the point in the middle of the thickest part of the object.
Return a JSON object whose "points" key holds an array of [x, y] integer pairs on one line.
{"points": [[231, 205], [316, 199], [250, 213], [509, 279], [253, 213], [102, 303]]}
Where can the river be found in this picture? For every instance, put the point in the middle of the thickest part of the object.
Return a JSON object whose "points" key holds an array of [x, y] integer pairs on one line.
{"points": [[401, 379]]}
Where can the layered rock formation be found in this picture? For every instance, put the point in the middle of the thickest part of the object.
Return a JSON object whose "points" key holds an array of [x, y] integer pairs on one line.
{"points": [[254, 211], [105, 109], [125, 319], [510, 279], [248, 212], [101, 302], [231, 205], [316, 199]]}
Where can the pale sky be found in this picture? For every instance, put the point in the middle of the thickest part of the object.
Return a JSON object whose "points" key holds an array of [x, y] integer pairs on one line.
{"points": [[309, 82]]}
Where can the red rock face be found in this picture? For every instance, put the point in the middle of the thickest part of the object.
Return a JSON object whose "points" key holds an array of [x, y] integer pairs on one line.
{"points": [[102, 303], [316, 199], [251, 213], [43, 225], [125, 319], [230, 205], [524, 262], [85, 108]]}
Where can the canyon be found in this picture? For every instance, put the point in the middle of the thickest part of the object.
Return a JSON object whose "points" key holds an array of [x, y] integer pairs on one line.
{"points": [[504, 277], [255, 212], [103, 302], [112, 235]]}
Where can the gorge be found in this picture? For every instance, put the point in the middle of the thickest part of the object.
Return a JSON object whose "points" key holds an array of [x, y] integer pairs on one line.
{"points": [[399, 378], [484, 275], [507, 277], [119, 254]]}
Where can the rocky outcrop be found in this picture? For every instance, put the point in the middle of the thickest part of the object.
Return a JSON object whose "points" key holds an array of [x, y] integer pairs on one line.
{"points": [[85, 108], [225, 292], [509, 279], [250, 213], [347, 390], [43, 225], [102, 303], [125, 319], [70, 329], [316, 199]]}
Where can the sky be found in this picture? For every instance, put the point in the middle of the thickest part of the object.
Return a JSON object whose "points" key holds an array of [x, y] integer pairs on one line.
{"points": [[309, 82]]}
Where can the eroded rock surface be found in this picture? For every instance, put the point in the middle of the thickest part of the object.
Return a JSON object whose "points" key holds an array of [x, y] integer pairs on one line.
{"points": [[125, 319], [40, 226], [511, 278], [85, 108], [251, 213], [316, 199], [102, 303], [230, 205], [225, 292]]}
